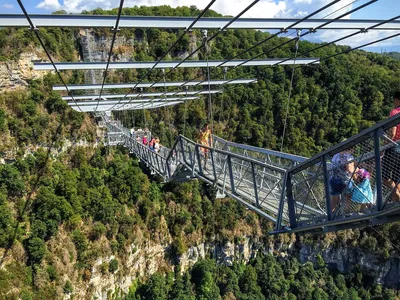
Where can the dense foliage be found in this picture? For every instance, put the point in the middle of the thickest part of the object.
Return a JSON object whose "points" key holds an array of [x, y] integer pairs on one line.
{"points": [[98, 202], [395, 55], [265, 278], [329, 102]]}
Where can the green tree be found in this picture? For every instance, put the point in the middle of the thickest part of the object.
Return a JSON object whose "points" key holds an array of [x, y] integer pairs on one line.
{"points": [[36, 250]]}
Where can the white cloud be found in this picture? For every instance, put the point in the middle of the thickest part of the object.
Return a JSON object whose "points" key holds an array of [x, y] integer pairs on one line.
{"points": [[49, 5], [302, 1], [360, 39], [8, 6], [265, 8]]}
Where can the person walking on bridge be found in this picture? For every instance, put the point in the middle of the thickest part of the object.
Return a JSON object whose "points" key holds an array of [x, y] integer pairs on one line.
{"points": [[391, 159], [205, 137]]}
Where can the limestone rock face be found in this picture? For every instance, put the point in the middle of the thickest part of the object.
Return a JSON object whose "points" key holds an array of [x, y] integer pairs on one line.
{"points": [[345, 259], [14, 74], [150, 258]]}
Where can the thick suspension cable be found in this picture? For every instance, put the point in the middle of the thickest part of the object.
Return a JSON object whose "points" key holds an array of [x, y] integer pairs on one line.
{"points": [[341, 39], [306, 33], [115, 30], [340, 9], [208, 40], [358, 47], [343, 52], [290, 89], [36, 31], [287, 42], [283, 30], [171, 47], [347, 51], [214, 35]]}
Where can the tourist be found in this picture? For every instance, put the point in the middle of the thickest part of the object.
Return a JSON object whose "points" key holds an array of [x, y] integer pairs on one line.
{"points": [[157, 145], [362, 191], [205, 137], [340, 181], [152, 143], [391, 158], [144, 140]]}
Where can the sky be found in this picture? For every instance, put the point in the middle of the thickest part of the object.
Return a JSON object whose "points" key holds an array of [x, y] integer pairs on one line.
{"points": [[381, 10]]}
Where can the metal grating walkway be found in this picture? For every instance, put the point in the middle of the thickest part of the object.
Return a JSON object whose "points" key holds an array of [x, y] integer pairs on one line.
{"points": [[289, 190]]}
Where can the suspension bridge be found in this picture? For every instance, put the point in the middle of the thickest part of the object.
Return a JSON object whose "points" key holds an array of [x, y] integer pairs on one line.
{"points": [[292, 191]]}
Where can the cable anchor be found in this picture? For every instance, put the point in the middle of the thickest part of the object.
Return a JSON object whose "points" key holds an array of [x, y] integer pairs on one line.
{"points": [[298, 39], [225, 71]]}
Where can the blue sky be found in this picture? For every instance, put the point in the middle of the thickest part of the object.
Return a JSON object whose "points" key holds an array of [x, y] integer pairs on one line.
{"points": [[382, 9]]}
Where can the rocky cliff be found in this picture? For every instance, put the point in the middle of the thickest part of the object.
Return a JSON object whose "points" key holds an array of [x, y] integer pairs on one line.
{"points": [[16, 74], [148, 258]]}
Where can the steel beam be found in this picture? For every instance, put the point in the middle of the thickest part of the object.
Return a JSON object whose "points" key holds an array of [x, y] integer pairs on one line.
{"points": [[99, 21], [127, 101], [139, 106], [140, 95], [170, 64], [146, 85]]}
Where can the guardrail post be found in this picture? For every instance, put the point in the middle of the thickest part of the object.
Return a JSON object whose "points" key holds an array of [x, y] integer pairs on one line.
{"points": [[168, 166], [182, 150], [197, 153], [213, 164], [253, 171], [378, 170], [281, 202], [290, 200], [231, 174], [327, 188]]}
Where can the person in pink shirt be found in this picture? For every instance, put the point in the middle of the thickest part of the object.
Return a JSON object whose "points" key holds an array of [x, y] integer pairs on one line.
{"points": [[391, 159], [144, 140]]}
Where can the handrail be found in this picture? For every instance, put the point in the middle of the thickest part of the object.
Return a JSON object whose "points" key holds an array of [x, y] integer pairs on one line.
{"points": [[296, 158], [363, 135], [269, 184], [246, 158]]}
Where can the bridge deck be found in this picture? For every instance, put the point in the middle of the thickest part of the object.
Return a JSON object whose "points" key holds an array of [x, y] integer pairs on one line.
{"points": [[292, 191]]}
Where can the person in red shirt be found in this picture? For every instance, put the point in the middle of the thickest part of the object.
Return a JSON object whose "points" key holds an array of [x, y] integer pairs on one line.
{"points": [[391, 159]]}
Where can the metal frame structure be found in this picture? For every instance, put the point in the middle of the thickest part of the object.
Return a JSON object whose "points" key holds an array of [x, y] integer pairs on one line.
{"points": [[130, 106], [139, 100], [115, 29], [148, 85], [100, 21], [138, 96], [290, 190], [168, 64]]}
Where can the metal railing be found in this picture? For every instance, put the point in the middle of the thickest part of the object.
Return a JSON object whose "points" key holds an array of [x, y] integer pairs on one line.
{"points": [[342, 187], [347, 185]]}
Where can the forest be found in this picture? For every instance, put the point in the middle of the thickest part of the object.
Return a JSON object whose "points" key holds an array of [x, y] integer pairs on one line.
{"points": [[94, 202]]}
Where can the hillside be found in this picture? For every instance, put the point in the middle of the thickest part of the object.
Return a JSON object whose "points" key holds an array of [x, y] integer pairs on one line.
{"points": [[84, 222], [395, 55]]}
